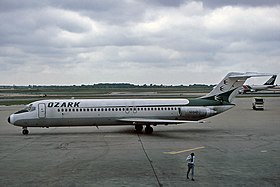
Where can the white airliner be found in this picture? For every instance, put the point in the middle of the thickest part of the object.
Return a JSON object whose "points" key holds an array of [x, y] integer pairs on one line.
{"points": [[254, 88], [136, 112]]}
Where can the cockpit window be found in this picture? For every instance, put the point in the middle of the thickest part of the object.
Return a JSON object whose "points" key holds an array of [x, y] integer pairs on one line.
{"points": [[28, 108], [31, 108]]}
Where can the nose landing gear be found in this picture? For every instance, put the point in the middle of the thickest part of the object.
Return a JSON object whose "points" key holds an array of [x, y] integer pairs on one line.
{"points": [[25, 131]]}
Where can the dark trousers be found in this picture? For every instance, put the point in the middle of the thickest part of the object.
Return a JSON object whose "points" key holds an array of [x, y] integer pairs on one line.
{"points": [[190, 167]]}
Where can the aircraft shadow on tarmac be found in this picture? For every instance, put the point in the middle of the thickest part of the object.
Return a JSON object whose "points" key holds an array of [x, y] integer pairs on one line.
{"points": [[160, 133]]}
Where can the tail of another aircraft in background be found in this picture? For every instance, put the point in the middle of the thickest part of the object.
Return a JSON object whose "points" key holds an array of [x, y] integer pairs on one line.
{"points": [[228, 88], [254, 88], [271, 81]]}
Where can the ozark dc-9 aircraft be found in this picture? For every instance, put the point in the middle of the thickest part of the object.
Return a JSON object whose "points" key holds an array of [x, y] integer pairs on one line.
{"points": [[135, 112]]}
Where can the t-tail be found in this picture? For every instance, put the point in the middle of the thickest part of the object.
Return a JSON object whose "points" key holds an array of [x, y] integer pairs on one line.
{"points": [[228, 88]]}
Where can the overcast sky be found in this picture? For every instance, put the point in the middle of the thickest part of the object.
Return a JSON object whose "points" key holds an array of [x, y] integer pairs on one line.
{"points": [[145, 41]]}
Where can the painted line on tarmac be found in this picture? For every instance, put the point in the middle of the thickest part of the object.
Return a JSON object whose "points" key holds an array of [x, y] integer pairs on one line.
{"points": [[183, 151]]}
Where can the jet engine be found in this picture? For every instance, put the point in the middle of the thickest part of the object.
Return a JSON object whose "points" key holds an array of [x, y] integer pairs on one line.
{"points": [[196, 113]]}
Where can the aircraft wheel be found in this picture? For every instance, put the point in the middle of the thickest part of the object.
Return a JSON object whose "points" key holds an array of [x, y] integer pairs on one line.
{"points": [[149, 129], [138, 128], [25, 132]]}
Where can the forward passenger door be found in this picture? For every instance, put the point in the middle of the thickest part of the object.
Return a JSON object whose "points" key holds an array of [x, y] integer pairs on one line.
{"points": [[42, 110]]}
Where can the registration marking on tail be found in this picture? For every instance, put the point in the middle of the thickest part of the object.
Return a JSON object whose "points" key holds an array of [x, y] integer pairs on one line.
{"points": [[183, 151]]}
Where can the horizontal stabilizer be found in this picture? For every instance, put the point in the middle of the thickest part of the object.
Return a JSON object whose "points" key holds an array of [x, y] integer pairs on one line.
{"points": [[249, 74]]}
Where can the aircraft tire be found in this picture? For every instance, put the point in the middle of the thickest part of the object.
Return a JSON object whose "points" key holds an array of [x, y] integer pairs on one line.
{"points": [[138, 128], [149, 129], [25, 132]]}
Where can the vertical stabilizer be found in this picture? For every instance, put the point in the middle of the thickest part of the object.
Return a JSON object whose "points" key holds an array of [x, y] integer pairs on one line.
{"points": [[271, 81]]}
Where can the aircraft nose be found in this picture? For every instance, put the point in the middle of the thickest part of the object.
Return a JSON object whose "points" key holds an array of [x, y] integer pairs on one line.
{"points": [[11, 119]]}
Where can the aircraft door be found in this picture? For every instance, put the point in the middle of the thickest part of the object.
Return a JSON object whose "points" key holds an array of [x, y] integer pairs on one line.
{"points": [[41, 110]]}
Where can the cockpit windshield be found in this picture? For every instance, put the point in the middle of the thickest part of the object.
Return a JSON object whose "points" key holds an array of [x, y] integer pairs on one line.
{"points": [[27, 108]]}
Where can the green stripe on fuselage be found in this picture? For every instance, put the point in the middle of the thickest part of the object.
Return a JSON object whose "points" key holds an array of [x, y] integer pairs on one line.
{"points": [[207, 102]]}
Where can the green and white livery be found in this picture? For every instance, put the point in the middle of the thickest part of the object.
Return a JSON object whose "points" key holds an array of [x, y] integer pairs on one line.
{"points": [[136, 112]]}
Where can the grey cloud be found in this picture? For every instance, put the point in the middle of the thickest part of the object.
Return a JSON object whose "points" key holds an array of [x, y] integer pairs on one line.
{"points": [[170, 3], [13, 5], [134, 41], [253, 3]]}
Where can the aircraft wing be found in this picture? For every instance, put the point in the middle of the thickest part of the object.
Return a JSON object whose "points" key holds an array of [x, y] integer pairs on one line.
{"points": [[156, 121]]}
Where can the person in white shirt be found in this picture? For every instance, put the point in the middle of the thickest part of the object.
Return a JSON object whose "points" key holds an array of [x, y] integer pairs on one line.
{"points": [[190, 161]]}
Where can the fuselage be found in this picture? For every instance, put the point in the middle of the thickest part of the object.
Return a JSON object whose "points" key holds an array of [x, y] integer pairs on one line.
{"points": [[137, 112], [102, 112]]}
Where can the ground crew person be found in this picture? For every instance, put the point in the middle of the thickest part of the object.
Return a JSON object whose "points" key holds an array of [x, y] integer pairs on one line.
{"points": [[190, 161]]}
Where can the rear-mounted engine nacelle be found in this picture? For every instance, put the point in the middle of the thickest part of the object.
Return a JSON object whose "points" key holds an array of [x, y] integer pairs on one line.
{"points": [[196, 113]]}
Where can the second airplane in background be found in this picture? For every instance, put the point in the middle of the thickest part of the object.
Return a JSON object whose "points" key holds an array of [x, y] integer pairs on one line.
{"points": [[254, 88]]}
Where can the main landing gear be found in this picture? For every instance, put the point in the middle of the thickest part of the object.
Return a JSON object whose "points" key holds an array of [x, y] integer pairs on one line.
{"points": [[25, 131], [138, 128], [148, 129]]}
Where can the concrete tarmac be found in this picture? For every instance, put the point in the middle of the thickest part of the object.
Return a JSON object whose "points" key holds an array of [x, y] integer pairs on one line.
{"points": [[240, 147]]}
